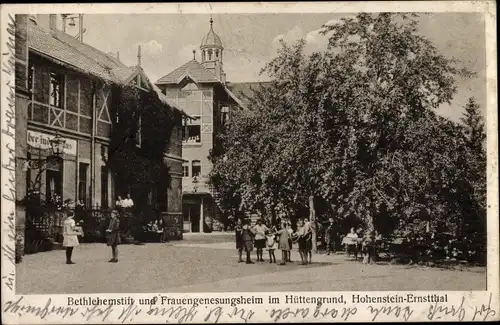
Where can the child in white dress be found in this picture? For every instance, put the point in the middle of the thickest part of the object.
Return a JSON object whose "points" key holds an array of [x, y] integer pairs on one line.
{"points": [[272, 245], [70, 233]]}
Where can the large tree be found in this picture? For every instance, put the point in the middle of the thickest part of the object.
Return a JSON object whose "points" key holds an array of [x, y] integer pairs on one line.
{"points": [[354, 127]]}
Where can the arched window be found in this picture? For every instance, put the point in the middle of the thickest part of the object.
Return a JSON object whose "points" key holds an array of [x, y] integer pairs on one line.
{"points": [[217, 54], [209, 55], [196, 168], [202, 55]]}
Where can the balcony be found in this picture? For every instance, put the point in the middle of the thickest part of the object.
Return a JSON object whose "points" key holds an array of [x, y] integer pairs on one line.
{"points": [[197, 184]]}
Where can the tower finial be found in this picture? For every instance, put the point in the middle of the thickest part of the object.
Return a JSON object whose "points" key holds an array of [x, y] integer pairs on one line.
{"points": [[139, 55], [211, 22], [194, 54]]}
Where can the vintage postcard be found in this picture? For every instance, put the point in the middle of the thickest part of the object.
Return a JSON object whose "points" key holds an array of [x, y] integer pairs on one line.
{"points": [[249, 162]]}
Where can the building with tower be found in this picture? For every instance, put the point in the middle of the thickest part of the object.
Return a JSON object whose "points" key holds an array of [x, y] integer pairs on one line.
{"points": [[200, 89]]}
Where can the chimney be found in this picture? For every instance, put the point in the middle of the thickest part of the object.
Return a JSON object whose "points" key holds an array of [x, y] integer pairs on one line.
{"points": [[52, 22]]}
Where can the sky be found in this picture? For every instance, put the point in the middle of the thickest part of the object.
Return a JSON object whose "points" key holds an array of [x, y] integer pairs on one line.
{"points": [[251, 40]]}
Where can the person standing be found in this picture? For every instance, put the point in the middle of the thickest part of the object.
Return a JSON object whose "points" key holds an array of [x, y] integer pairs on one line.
{"points": [[119, 202], [163, 230], [308, 241], [113, 235], [284, 242], [70, 234], [127, 207], [247, 236], [301, 240], [292, 238], [128, 202], [239, 239], [260, 231], [272, 245], [330, 237]]}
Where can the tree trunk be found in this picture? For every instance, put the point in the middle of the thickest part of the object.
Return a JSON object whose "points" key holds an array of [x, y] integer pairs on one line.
{"points": [[312, 220]]}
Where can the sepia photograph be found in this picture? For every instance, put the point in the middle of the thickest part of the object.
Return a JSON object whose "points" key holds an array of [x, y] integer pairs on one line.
{"points": [[249, 152]]}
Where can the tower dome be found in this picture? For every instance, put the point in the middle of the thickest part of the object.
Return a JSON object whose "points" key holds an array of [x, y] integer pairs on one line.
{"points": [[211, 46]]}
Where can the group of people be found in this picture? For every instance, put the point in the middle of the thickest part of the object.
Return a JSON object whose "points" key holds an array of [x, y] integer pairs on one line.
{"points": [[71, 231], [357, 241], [280, 237], [157, 228], [124, 203]]}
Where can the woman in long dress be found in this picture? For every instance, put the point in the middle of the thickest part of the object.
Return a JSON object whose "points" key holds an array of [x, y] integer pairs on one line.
{"points": [[113, 235], [70, 236]]}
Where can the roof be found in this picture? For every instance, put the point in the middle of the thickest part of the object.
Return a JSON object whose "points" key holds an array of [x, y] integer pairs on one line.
{"points": [[245, 90], [199, 74], [65, 49], [211, 39], [193, 69], [54, 45]]}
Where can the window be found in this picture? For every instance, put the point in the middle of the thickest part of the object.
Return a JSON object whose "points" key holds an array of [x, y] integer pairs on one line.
{"points": [[53, 178], [104, 187], [31, 76], [224, 114], [56, 89], [185, 170], [82, 182], [196, 168], [209, 55], [192, 132]]}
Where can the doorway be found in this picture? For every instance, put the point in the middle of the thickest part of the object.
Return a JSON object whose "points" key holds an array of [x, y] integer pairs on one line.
{"points": [[194, 216]]}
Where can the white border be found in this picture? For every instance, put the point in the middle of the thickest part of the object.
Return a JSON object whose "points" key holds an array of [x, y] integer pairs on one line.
{"points": [[461, 305]]}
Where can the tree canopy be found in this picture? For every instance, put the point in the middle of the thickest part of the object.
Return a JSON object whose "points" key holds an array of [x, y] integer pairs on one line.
{"points": [[356, 128]]}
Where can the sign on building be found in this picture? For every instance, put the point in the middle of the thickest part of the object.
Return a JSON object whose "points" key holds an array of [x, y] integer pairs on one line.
{"points": [[42, 141]]}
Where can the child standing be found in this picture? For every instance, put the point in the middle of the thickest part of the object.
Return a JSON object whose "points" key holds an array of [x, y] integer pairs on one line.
{"points": [[284, 242], [272, 245], [70, 234], [247, 236]]}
